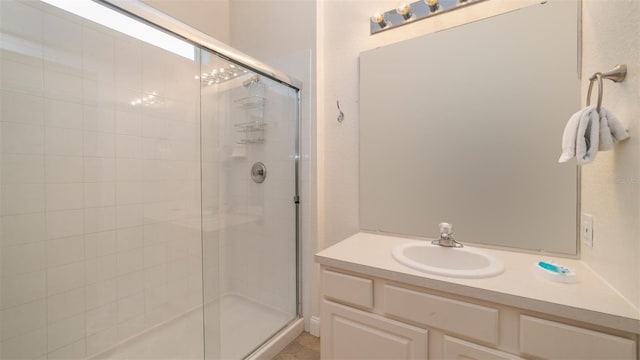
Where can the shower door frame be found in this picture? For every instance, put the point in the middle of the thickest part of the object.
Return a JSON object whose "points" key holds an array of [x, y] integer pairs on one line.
{"points": [[161, 21]]}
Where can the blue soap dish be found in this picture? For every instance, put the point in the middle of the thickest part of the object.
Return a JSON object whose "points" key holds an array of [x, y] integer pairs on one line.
{"points": [[553, 271]]}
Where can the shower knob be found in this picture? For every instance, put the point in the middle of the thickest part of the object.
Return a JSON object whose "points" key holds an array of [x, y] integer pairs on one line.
{"points": [[258, 172]]}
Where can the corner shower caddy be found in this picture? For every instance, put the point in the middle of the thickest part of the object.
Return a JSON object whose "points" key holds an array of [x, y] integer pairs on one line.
{"points": [[253, 125]]}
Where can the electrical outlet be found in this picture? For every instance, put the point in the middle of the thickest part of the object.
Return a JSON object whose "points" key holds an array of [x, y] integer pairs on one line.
{"points": [[586, 230]]}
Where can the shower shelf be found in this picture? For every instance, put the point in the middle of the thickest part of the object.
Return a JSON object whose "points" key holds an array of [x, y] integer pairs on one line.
{"points": [[251, 126], [251, 101], [253, 130], [251, 141]]}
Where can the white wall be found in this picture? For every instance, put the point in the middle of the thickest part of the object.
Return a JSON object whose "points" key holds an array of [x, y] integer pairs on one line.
{"points": [[611, 184], [209, 16]]}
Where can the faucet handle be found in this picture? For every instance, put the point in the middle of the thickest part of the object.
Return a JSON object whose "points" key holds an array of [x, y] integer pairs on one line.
{"points": [[446, 228]]}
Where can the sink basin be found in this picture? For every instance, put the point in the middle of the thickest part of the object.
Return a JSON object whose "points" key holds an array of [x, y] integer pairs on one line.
{"points": [[463, 262]]}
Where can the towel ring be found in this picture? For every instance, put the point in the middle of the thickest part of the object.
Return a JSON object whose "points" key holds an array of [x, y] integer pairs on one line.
{"points": [[617, 74], [596, 76]]}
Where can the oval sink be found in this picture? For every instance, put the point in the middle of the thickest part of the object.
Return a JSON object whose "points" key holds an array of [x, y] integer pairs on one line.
{"points": [[454, 262]]}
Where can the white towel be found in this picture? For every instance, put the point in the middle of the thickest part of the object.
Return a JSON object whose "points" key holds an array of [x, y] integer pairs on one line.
{"points": [[611, 130], [587, 132], [580, 137]]}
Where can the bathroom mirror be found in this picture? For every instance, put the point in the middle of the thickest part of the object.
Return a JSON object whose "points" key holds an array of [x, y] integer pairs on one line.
{"points": [[464, 126]]}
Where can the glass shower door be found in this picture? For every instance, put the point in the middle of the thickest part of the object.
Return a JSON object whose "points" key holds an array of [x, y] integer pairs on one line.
{"points": [[249, 141], [100, 248]]}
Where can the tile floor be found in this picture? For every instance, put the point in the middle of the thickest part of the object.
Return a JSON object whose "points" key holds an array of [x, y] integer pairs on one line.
{"points": [[304, 347]]}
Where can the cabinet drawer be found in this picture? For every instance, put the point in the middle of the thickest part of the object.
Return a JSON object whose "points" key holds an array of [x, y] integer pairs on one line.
{"points": [[347, 289], [552, 340], [474, 321], [464, 350]]}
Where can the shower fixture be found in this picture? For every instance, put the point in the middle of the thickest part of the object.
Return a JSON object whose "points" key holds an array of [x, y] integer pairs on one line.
{"points": [[252, 81]]}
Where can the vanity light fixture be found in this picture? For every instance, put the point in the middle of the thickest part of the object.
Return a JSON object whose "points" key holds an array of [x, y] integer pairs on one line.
{"points": [[378, 19], [410, 12], [434, 5], [404, 10]]}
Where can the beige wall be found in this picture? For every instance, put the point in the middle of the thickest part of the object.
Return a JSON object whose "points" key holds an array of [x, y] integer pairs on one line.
{"points": [[610, 184], [209, 16]]}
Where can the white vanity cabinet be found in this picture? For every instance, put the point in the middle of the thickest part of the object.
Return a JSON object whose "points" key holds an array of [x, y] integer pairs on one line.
{"points": [[350, 333], [364, 317]]}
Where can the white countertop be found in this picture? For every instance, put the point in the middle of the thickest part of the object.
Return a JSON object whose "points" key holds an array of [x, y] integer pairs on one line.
{"points": [[591, 299]]}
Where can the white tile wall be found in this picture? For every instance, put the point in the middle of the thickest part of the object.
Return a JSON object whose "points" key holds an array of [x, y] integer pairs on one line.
{"points": [[63, 169], [92, 245], [22, 229], [61, 114], [23, 108], [66, 304], [102, 340]]}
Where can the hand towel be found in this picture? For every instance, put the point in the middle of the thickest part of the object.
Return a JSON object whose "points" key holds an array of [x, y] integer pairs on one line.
{"points": [[588, 132], [581, 136], [611, 130]]}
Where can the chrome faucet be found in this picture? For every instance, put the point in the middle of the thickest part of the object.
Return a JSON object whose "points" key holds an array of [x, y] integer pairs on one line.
{"points": [[446, 237]]}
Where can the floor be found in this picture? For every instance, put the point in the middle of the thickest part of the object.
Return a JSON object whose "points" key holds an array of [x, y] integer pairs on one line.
{"points": [[304, 347]]}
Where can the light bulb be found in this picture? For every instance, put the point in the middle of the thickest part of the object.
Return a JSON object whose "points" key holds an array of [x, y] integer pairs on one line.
{"points": [[433, 5], [378, 18], [404, 9]]}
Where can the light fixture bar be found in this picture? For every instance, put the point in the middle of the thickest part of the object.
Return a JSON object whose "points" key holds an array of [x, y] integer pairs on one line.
{"points": [[122, 23], [407, 13]]}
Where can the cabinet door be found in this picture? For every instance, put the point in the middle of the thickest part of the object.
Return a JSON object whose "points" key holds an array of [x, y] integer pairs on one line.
{"points": [[552, 340], [464, 350], [348, 333]]}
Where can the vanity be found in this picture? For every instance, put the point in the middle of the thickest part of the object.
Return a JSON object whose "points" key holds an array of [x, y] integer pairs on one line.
{"points": [[373, 307]]}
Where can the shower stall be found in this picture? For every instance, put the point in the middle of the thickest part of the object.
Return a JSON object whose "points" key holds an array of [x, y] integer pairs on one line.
{"points": [[149, 188]]}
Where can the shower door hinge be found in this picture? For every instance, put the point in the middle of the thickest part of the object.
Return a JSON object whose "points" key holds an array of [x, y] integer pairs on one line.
{"points": [[296, 199]]}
